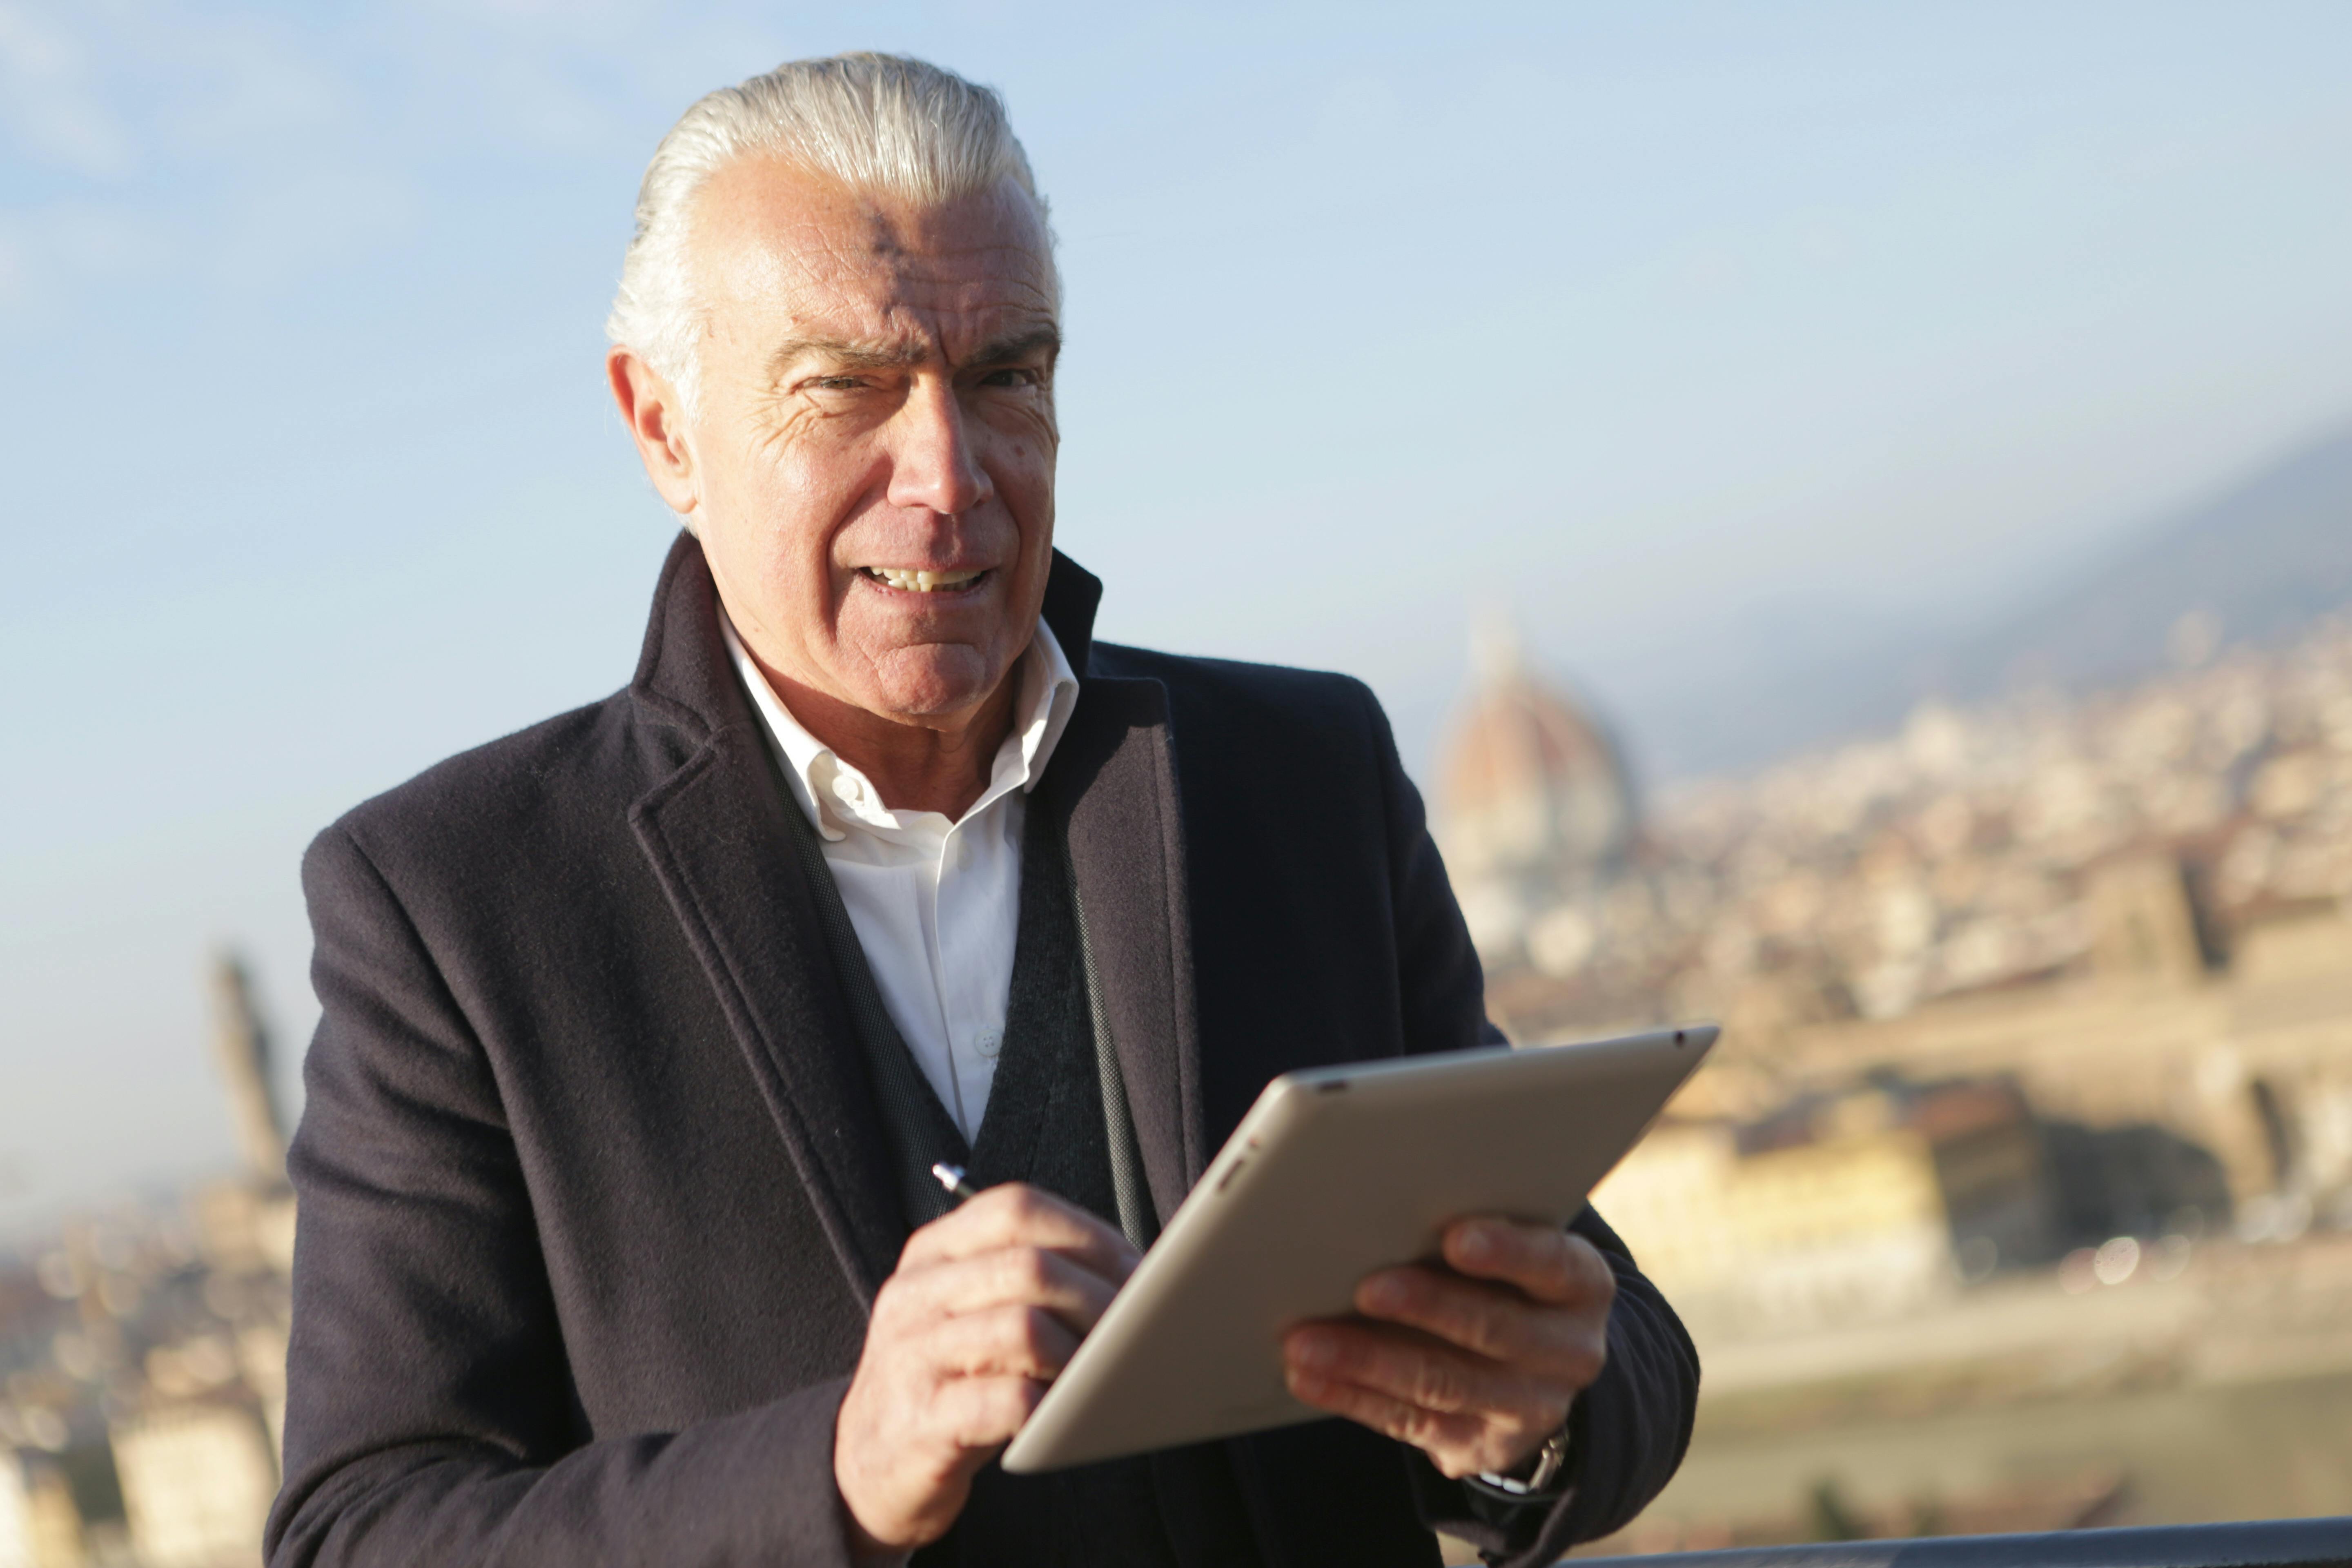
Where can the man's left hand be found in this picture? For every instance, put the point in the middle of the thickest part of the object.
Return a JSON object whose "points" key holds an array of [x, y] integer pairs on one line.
{"points": [[1475, 1364]]}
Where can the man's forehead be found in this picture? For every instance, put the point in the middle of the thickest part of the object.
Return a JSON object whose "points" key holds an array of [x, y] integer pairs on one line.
{"points": [[809, 257]]}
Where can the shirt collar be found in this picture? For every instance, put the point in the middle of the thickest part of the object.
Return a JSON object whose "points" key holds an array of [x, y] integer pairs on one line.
{"points": [[836, 796]]}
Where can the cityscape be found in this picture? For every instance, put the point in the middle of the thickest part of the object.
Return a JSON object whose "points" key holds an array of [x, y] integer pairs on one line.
{"points": [[2033, 1111], [142, 1353]]}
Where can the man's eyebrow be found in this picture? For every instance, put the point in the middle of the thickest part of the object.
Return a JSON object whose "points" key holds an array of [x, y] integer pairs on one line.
{"points": [[1018, 345], [882, 354], [871, 354]]}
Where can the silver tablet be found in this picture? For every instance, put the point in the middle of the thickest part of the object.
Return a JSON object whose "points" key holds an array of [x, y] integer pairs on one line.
{"points": [[1333, 1173]]}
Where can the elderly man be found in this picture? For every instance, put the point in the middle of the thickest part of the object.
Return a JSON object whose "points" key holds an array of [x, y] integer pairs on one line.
{"points": [[642, 1026]]}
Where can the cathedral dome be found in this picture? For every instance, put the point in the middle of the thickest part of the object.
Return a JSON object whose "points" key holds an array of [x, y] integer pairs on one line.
{"points": [[1530, 785]]}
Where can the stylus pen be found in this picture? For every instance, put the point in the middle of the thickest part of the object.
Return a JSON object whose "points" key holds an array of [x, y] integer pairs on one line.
{"points": [[952, 1178]]}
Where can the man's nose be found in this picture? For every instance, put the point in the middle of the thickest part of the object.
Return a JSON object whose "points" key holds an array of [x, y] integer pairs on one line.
{"points": [[934, 465]]}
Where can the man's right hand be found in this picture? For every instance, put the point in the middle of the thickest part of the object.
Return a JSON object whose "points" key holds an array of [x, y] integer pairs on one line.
{"points": [[986, 1307]]}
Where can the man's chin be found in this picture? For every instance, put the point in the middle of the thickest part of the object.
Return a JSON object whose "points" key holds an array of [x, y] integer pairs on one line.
{"points": [[933, 687]]}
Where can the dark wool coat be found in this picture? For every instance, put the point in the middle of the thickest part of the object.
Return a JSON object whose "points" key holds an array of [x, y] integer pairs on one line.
{"points": [[593, 1190]]}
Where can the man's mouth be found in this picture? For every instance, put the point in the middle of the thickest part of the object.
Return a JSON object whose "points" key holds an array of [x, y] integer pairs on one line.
{"points": [[917, 581]]}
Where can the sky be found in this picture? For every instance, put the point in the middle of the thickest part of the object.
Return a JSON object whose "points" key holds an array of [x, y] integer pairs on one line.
{"points": [[1676, 331]]}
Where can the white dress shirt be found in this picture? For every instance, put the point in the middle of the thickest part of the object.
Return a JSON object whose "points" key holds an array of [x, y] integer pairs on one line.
{"points": [[936, 904]]}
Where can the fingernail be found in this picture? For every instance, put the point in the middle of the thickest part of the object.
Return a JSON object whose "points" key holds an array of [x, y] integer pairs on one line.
{"points": [[1314, 1352], [1477, 1242], [1384, 1292]]}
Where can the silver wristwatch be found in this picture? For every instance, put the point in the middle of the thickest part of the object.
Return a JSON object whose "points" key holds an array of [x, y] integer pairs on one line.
{"points": [[1551, 1459]]}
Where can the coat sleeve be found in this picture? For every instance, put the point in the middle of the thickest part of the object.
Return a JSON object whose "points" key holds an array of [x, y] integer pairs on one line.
{"points": [[1631, 1427], [430, 1413]]}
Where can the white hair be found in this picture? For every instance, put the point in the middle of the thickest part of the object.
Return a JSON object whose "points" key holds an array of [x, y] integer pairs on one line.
{"points": [[881, 123]]}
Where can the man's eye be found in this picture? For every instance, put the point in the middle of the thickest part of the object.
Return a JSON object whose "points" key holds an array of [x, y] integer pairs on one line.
{"points": [[1010, 377], [836, 383]]}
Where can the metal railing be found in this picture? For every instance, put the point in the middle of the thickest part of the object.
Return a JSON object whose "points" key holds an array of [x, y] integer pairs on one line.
{"points": [[2267, 1544]]}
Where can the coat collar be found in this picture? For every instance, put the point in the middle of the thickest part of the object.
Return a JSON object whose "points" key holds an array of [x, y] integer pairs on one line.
{"points": [[712, 832]]}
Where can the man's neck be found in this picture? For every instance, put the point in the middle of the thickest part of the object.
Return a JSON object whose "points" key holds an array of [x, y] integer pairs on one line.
{"points": [[943, 766]]}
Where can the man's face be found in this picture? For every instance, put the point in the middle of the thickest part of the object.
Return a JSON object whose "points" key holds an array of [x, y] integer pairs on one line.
{"points": [[877, 402]]}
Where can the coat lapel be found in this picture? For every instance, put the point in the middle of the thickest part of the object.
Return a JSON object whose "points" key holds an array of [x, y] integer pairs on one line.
{"points": [[1114, 774], [714, 834]]}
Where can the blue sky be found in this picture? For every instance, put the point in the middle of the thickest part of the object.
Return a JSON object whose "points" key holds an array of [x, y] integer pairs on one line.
{"points": [[1676, 327]]}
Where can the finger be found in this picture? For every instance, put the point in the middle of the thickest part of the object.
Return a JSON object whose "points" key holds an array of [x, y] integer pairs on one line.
{"points": [[1008, 1277], [1549, 1264], [1002, 1342], [1454, 1443], [981, 1412], [1426, 1374], [1492, 1321], [1018, 1215]]}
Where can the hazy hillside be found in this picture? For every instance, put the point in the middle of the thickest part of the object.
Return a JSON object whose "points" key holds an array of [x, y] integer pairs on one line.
{"points": [[2261, 557]]}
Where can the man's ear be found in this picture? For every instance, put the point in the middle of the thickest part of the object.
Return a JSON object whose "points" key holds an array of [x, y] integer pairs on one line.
{"points": [[651, 408]]}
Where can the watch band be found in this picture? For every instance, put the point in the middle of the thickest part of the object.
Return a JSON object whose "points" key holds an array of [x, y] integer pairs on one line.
{"points": [[1551, 1459]]}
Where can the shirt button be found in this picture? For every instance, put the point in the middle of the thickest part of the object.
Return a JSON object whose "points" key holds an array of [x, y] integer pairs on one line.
{"points": [[988, 1042], [846, 787]]}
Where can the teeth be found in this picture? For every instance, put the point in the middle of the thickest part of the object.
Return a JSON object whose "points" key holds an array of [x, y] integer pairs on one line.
{"points": [[917, 582]]}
